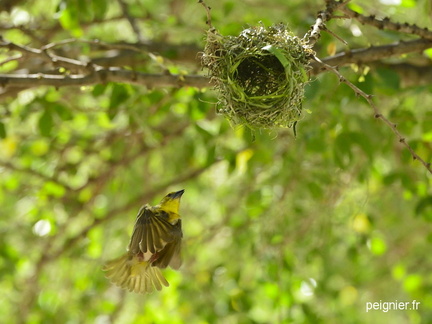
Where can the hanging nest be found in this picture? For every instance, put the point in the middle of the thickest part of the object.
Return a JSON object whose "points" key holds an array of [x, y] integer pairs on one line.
{"points": [[260, 74]]}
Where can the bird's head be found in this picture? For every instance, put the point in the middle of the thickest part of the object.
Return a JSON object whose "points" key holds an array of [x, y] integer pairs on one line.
{"points": [[171, 202]]}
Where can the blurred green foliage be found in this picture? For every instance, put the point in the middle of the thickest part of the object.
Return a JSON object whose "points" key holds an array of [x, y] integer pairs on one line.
{"points": [[277, 229]]}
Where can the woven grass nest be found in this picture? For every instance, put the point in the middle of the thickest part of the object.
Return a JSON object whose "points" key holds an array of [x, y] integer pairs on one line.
{"points": [[260, 74]]}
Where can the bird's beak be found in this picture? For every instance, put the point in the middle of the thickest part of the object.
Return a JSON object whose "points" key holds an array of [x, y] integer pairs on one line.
{"points": [[177, 194]]}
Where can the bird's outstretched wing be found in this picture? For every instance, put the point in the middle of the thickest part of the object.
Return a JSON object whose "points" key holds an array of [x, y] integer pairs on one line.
{"points": [[152, 232], [170, 254]]}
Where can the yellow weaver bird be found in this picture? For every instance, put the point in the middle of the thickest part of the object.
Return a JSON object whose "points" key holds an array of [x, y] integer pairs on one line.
{"points": [[154, 245]]}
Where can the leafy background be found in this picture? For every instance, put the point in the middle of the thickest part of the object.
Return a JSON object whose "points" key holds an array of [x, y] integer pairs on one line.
{"points": [[277, 229]]}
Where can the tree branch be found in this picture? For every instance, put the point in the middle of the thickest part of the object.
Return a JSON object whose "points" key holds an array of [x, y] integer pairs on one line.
{"points": [[378, 114], [71, 242], [410, 75], [132, 21], [35, 173], [371, 54], [314, 33], [387, 24], [358, 56], [44, 55], [103, 76], [92, 72]]}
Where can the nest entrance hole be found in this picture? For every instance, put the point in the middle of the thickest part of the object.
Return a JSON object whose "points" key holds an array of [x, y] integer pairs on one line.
{"points": [[260, 75]]}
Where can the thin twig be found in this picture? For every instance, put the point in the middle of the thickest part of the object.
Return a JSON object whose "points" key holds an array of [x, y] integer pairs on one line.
{"points": [[35, 173], [314, 33], [71, 242], [386, 23], [12, 58], [132, 21], [103, 76], [207, 9], [343, 41], [26, 30], [377, 113], [373, 53], [97, 42], [44, 55], [53, 251]]}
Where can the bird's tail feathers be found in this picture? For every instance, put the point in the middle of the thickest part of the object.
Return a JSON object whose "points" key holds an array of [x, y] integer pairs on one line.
{"points": [[129, 272]]}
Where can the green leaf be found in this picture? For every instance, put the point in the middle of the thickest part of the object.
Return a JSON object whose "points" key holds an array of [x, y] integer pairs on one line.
{"points": [[85, 10], [412, 282], [388, 80], [311, 89], [426, 121], [344, 147], [69, 18], [40, 147], [278, 53], [315, 190], [355, 7], [46, 123], [367, 85], [428, 52], [342, 151], [408, 3], [62, 111], [424, 208], [100, 8], [399, 272], [99, 89], [94, 247], [119, 94], [377, 246], [54, 189], [211, 155], [228, 7], [362, 140], [2, 130]]}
